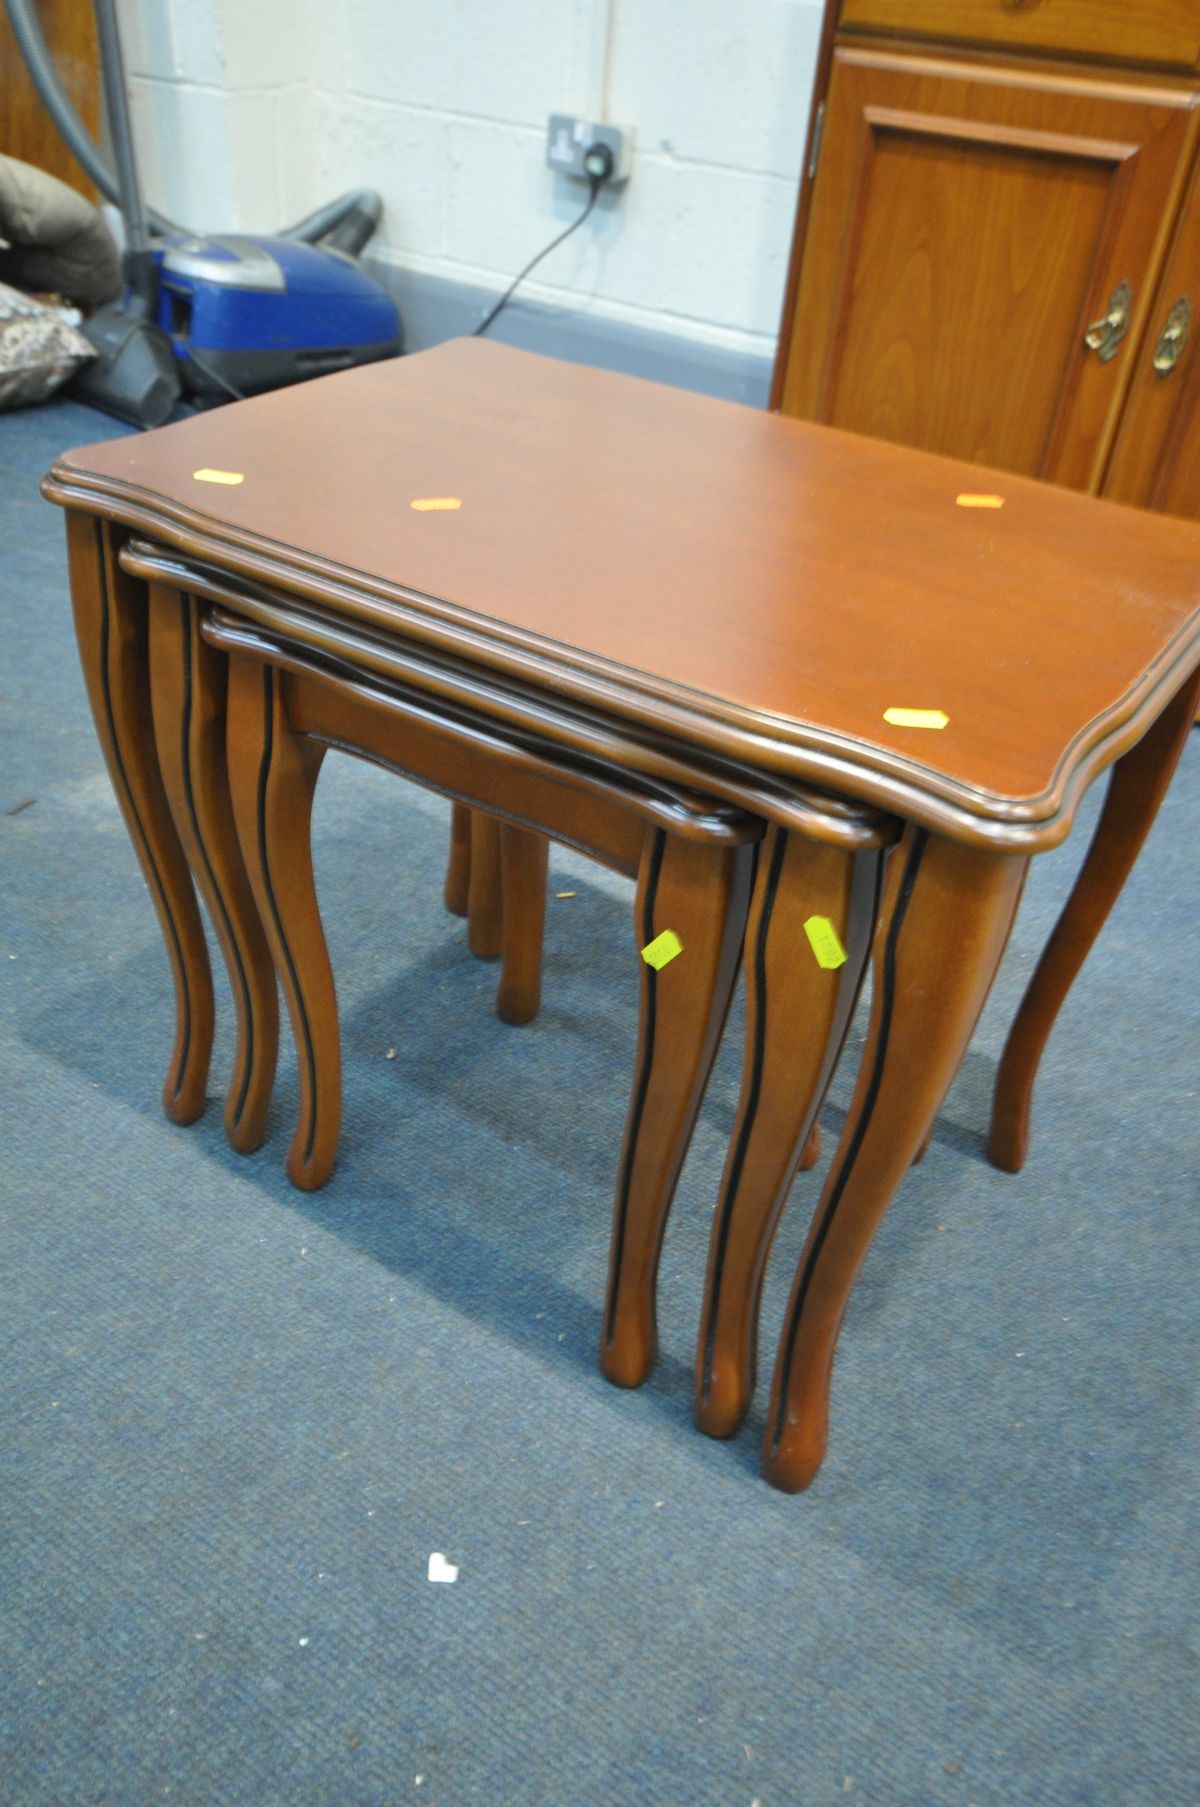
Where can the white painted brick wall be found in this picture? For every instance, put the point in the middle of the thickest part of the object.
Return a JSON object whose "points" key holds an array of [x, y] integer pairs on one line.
{"points": [[249, 113]]}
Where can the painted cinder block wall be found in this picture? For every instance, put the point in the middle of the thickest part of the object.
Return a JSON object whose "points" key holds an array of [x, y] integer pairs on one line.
{"points": [[248, 113]]}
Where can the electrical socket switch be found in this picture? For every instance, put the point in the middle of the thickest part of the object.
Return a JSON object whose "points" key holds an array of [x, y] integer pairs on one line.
{"points": [[569, 139]]}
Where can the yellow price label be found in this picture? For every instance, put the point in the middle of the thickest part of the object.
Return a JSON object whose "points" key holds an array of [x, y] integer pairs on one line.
{"points": [[825, 942], [431, 504], [659, 952], [917, 718]]}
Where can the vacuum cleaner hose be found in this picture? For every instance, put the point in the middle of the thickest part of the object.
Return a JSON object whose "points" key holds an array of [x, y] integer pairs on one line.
{"points": [[345, 224]]}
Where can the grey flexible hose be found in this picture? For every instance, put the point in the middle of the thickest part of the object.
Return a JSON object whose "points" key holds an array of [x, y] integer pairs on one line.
{"points": [[346, 223], [116, 100]]}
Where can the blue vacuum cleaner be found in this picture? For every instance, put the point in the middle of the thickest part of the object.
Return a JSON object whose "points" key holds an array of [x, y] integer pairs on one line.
{"points": [[214, 318], [245, 314]]}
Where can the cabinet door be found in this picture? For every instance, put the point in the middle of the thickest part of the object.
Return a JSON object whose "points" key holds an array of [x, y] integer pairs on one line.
{"points": [[1156, 460], [969, 222]]}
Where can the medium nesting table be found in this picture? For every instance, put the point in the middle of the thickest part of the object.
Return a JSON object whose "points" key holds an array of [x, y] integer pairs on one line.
{"points": [[695, 594]]}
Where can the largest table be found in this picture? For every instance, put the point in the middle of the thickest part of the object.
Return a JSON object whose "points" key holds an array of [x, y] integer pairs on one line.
{"points": [[774, 604]]}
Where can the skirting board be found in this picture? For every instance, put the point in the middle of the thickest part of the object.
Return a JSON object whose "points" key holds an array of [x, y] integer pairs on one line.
{"points": [[433, 308]]}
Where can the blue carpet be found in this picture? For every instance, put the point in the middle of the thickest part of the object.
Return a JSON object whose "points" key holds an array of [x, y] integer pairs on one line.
{"points": [[237, 1420]]}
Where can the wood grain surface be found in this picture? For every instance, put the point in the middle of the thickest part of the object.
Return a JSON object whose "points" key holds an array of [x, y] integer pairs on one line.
{"points": [[1149, 31], [26, 128], [1156, 461], [965, 232], [774, 585]]}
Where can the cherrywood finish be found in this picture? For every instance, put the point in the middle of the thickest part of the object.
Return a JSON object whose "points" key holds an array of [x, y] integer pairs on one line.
{"points": [[273, 774], [1122, 31], [1136, 788], [940, 938], [485, 912], [774, 587], [812, 149], [730, 612], [1156, 459], [282, 714], [965, 230], [26, 128], [783, 1084], [524, 858], [968, 210], [187, 692], [702, 893], [111, 633], [458, 867]]}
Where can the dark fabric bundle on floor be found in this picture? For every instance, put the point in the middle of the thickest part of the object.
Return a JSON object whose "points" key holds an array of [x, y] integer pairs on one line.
{"points": [[55, 242]]}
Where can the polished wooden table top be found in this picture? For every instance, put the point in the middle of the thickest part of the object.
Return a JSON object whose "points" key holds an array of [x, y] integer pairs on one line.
{"points": [[760, 587]]}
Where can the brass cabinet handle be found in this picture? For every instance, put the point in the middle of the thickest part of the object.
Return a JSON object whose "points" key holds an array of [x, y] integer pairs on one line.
{"points": [[1104, 336], [1169, 349]]}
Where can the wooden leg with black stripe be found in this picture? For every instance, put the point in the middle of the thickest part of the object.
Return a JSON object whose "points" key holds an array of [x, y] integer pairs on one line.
{"points": [[944, 924], [797, 1015], [273, 773], [188, 695], [110, 609], [700, 892]]}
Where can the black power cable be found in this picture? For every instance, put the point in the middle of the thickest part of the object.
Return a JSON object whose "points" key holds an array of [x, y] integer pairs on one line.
{"points": [[599, 166]]}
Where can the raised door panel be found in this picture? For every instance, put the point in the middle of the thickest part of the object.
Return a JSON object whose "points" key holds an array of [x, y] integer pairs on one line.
{"points": [[1156, 460], [968, 224], [1124, 31]]}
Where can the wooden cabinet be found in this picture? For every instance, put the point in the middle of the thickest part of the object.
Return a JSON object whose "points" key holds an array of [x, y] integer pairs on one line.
{"points": [[992, 242]]}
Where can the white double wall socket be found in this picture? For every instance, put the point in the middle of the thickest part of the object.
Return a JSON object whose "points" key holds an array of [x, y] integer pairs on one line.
{"points": [[569, 139]]}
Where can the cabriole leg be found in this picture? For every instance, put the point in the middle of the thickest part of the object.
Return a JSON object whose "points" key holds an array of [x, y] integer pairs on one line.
{"points": [[111, 630], [797, 1017], [701, 893], [940, 937], [1136, 789], [273, 773], [188, 693]]}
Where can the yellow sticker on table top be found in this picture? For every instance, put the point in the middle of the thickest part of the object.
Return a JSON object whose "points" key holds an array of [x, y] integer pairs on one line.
{"points": [[917, 718], [967, 500], [662, 949], [825, 942], [429, 504], [210, 476]]}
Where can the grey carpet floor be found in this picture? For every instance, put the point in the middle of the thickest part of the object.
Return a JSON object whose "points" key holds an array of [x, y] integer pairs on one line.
{"points": [[237, 1420]]}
